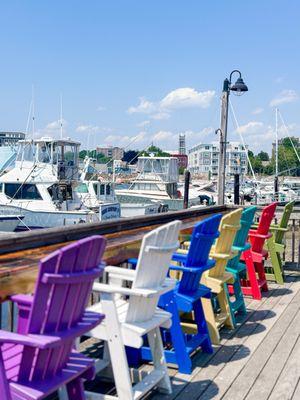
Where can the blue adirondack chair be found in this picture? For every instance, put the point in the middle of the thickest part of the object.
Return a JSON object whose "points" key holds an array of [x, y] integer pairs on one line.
{"points": [[235, 266], [187, 298], [40, 358]]}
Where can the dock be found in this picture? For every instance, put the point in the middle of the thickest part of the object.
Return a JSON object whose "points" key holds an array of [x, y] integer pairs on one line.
{"points": [[259, 359]]}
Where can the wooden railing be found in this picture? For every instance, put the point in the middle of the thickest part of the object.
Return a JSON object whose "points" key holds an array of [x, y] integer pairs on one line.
{"points": [[123, 236]]}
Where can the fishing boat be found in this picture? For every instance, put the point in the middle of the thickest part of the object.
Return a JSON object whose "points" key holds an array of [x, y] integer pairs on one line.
{"points": [[41, 185], [157, 182], [96, 193]]}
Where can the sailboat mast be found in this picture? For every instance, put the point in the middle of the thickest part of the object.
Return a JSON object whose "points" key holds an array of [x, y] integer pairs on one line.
{"points": [[61, 116], [33, 112], [276, 143]]}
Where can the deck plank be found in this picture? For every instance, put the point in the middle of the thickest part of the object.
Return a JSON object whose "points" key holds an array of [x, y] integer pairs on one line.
{"points": [[207, 368], [288, 380], [259, 376]]}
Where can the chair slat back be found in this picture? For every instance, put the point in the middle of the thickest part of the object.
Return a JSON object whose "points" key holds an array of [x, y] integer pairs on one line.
{"points": [[241, 236], [288, 209], [58, 306], [204, 234], [152, 267], [229, 226], [263, 228]]}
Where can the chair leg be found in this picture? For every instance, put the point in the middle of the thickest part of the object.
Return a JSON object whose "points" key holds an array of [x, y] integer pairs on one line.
{"points": [[75, 389], [202, 327], [117, 349], [159, 362], [275, 260], [4, 386], [177, 336], [225, 308], [210, 319], [255, 289]]}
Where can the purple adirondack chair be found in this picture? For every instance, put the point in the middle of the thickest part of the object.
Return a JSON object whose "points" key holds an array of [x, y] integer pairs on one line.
{"points": [[41, 357]]}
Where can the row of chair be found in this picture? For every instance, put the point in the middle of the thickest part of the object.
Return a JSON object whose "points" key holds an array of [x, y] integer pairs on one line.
{"points": [[169, 303]]}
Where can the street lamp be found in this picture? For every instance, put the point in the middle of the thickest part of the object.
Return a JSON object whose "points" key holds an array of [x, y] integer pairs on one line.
{"points": [[238, 89]]}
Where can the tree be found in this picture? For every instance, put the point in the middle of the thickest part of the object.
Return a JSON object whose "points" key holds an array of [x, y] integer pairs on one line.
{"points": [[263, 156], [130, 156], [82, 154]]}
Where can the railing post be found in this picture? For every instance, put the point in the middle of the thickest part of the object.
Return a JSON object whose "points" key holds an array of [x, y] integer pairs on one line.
{"points": [[293, 241]]}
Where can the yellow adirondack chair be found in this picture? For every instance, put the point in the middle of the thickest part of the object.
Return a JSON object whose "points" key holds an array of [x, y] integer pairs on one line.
{"points": [[217, 278]]}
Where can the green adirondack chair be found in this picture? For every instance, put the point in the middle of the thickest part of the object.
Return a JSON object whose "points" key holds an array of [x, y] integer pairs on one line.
{"points": [[276, 246], [235, 266]]}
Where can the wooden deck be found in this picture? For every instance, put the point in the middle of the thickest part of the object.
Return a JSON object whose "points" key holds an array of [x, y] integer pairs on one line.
{"points": [[259, 360]]}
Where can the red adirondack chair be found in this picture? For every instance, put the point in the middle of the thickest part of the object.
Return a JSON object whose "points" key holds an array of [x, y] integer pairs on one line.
{"points": [[254, 258], [41, 357]]}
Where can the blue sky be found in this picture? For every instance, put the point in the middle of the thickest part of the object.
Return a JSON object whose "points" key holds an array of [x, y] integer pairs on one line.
{"points": [[133, 71]]}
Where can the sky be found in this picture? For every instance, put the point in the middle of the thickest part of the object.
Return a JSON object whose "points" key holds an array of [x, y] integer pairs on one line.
{"points": [[134, 72]]}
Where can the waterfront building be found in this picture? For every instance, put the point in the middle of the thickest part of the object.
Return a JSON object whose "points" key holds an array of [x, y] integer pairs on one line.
{"points": [[10, 138], [204, 158], [113, 152]]}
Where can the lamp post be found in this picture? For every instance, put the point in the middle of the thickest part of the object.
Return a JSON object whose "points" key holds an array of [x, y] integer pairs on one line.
{"points": [[238, 88]]}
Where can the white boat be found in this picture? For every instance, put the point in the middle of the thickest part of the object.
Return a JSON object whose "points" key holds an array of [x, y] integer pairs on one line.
{"points": [[9, 223], [41, 185], [157, 181], [97, 194]]}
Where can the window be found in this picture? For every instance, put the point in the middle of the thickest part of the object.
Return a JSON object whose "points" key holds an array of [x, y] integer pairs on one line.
{"points": [[108, 190], [82, 188], [22, 192], [102, 190]]}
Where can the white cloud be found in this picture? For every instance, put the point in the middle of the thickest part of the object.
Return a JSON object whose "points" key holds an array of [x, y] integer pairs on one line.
{"points": [[161, 116], [143, 124], [286, 96], [187, 97], [176, 99], [144, 107], [162, 136], [250, 128], [101, 108], [53, 129], [92, 129], [257, 110]]}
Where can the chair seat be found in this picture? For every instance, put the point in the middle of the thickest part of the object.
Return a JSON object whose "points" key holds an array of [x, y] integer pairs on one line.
{"points": [[78, 365], [132, 332]]}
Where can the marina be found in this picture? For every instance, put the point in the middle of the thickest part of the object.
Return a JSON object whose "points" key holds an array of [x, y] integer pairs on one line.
{"points": [[150, 200]]}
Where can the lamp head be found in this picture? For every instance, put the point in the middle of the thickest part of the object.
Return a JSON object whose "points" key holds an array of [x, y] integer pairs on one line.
{"points": [[239, 87]]}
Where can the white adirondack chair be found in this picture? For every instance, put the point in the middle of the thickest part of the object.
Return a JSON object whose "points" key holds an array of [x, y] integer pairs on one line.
{"points": [[131, 313]]}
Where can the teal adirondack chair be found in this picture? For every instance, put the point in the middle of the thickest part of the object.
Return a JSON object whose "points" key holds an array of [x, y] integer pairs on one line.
{"points": [[235, 266], [276, 246]]}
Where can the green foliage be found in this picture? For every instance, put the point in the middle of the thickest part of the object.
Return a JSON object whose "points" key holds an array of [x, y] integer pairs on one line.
{"points": [[288, 163], [156, 151], [130, 156], [263, 156]]}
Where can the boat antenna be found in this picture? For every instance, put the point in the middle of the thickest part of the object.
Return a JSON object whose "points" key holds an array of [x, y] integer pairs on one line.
{"points": [[33, 112], [61, 116], [287, 131], [276, 144], [242, 139]]}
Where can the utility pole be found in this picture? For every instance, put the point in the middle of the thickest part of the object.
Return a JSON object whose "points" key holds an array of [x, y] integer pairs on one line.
{"points": [[223, 143], [276, 183], [238, 88]]}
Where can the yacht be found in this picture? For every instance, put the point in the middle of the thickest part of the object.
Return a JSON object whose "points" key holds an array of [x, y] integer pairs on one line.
{"points": [[157, 182], [96, 193], [41, 185]]}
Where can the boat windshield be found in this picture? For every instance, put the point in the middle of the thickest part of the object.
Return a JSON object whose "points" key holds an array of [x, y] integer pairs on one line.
{"points": [[25, 152]]}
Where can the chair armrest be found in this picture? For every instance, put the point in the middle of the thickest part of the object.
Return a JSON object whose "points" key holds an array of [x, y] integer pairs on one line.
{"points": [[179, 256], [278, 228], [210, 264], [221, 256], [258, 235], [169, 284], [121, 273], [39, 341], [22, 299]]}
